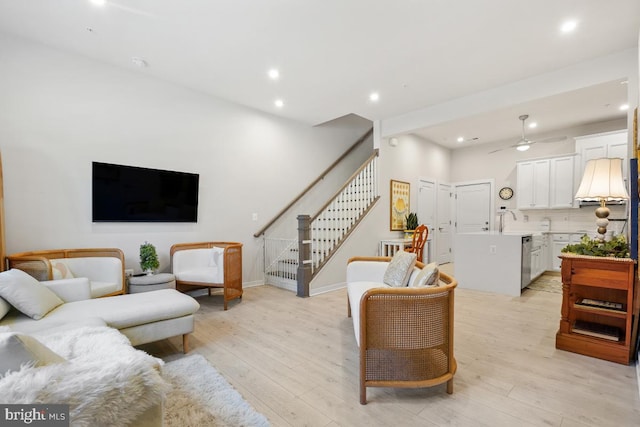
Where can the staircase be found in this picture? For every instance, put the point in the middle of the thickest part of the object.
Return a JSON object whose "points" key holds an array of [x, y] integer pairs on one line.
{"points": [[292, 263]]}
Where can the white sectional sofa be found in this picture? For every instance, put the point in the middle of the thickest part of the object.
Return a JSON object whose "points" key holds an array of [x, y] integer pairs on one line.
{"points": [[143, 317], [54, 332]]}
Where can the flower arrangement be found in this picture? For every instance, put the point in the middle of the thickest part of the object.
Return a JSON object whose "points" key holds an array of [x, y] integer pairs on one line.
{"points": [[617, 247], [148, 258]]}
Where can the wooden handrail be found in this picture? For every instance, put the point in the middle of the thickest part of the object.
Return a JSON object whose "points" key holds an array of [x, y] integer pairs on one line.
{"points": [[310, 186], [347, 182]]}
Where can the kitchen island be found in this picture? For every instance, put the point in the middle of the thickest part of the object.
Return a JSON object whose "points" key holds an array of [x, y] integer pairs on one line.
{"points": [[493, 261]]}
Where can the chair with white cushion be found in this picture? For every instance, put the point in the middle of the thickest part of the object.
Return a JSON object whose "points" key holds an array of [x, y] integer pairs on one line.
{"points": [[104, 267], [208, 265]]}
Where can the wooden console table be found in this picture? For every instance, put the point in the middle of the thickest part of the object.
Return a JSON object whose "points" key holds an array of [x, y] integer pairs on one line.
{"points": [[597, 307]]}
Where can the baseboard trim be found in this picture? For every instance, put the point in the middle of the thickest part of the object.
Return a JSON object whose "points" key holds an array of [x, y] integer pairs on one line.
{"points": [[328, 288]]}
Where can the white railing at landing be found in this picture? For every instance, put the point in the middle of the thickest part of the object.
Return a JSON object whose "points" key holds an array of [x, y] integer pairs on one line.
{"points": [[281, 262]]}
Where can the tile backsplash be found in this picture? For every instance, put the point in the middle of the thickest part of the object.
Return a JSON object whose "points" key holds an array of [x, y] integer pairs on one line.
{"points": [[579, 219]]}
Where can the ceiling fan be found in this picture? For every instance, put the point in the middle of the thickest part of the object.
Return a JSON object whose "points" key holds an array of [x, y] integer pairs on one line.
{"points": [[524, 144]]}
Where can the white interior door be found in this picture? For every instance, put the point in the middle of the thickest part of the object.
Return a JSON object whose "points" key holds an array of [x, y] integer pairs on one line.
{"points": [[427, 203], [427, 211], [473, 207], [443, 230]]}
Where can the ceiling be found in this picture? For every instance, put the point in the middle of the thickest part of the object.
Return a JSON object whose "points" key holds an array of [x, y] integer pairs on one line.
{"points": [[552, 114], [333, 54]]}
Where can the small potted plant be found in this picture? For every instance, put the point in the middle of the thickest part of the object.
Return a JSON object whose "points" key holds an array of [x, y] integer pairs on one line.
{"points": [[412, 224], [148, 258]]}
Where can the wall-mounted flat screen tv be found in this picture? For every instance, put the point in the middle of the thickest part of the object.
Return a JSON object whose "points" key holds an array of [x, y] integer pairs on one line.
{"points": [[133, 194]]}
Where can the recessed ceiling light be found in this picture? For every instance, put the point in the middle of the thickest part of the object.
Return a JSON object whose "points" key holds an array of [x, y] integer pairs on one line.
{"points": [[374, 97], [533, 125], [568, 26], [274, 74], [279, 103], [460, 139], [99, 2], [624, 107]]}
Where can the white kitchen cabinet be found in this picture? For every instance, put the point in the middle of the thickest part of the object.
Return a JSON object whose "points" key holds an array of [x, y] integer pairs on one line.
{"points": [[538, 252], [533, 184], [559, 241], [544, 256], [608, 144], [536, 263], [546, 183], [561, 182]]}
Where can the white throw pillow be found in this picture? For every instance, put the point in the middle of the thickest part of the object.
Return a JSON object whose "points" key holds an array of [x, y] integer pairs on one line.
{"points": [[27, 294], [18, 349], [4, 308], [60, 270], [217, 257], [429, 277], [399, 269]]}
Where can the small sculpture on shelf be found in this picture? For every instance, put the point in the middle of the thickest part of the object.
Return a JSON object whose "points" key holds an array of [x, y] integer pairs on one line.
{"points": [[148, 258]]}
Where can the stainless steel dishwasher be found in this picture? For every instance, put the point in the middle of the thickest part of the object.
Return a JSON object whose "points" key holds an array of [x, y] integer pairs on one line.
{"points": [[525, 271]]}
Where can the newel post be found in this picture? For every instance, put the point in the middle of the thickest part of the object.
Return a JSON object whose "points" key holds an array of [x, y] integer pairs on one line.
{"points": [[304, 254]]}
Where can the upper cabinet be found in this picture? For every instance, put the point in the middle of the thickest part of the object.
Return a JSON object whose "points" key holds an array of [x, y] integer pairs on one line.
{"points": [[609, 144], [551, 183], [533, 184], [546, 183]]}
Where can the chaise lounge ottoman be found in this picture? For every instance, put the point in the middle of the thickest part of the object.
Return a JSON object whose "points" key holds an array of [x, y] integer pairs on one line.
{"points": [[143, 317]]}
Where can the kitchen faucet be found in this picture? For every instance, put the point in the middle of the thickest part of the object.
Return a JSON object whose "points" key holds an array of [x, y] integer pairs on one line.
{"points": [[501, 215]]}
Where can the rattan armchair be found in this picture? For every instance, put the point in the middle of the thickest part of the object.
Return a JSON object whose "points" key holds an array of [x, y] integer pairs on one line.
{"points": [[193, 272], [406, 335], [104, 267]]}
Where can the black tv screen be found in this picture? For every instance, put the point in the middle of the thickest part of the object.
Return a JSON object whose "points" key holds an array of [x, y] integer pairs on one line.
{"points": [[133, 194]]}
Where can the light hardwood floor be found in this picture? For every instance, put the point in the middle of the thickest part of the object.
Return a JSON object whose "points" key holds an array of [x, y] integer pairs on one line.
{"points": [[296, 361]]}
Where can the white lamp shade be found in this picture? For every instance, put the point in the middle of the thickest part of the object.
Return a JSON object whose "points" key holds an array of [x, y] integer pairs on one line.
{"points": [[602, 180]]}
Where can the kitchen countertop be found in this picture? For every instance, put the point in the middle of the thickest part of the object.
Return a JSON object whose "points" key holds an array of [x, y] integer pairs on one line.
{"points": [[497, 233]]}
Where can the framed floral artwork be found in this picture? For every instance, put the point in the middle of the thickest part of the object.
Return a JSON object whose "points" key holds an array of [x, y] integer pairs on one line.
{"points": [[399, 208]]}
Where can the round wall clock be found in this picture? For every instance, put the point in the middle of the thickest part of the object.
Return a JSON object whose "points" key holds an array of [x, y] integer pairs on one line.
{"points": [[505, 193]]}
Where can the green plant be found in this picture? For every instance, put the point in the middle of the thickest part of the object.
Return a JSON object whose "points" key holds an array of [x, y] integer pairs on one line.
{"points": [[616, 247], [148, 257], [412, 221]]}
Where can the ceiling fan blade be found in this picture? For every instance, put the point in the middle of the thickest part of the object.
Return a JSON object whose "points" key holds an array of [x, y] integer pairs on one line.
{"points": [[506, 148], [551, 139], [495, 151]]}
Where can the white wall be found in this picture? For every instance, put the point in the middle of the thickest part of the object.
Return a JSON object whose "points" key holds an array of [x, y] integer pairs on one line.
{"points": [[59, 112]]}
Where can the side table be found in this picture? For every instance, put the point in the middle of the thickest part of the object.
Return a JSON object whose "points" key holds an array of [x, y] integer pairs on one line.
{"points": [[152, 282]]}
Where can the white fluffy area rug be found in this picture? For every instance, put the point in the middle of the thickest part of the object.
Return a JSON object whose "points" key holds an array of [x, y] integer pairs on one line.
{"points": [[202, 397]]}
